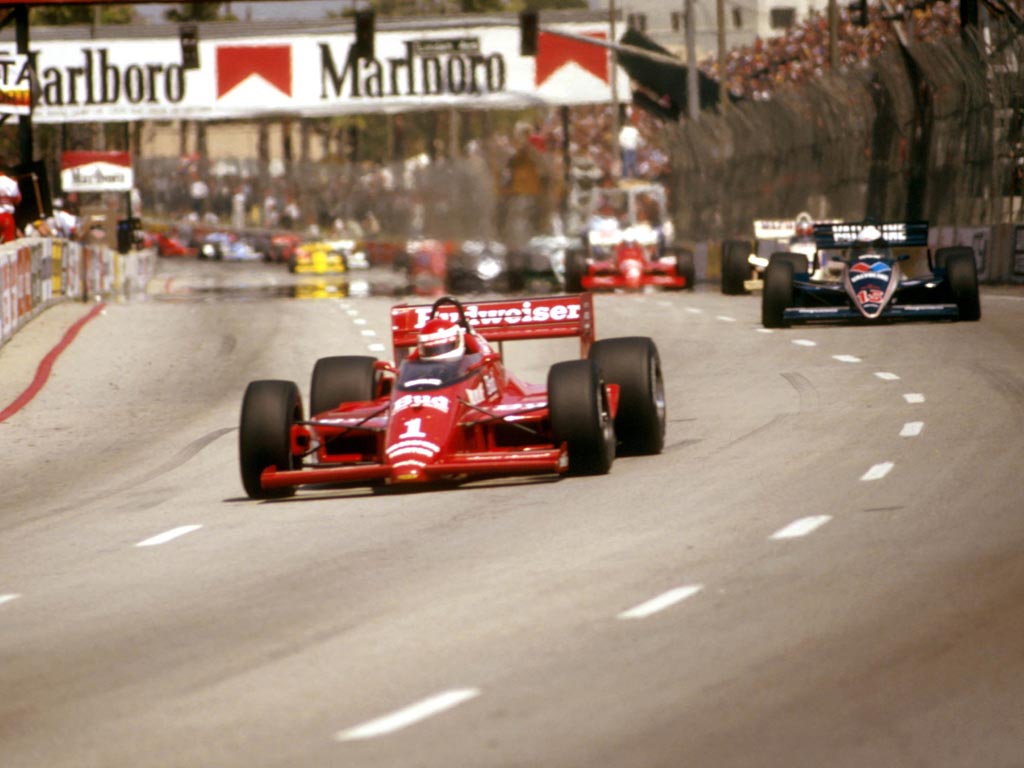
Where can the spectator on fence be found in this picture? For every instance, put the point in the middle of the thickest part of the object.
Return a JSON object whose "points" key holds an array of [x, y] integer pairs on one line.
{"points": [[10, 197]]}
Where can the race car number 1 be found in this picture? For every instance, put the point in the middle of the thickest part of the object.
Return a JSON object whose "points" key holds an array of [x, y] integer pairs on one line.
{"points": [[412, 429]]}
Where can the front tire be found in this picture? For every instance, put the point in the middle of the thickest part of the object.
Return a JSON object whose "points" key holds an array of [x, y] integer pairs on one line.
{"points": [[778, 293], [580, 417], [269, 409], [342, 379], [634, 364]]}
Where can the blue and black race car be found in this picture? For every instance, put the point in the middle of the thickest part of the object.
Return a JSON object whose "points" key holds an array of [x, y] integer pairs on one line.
{"points": [[856, 275]]}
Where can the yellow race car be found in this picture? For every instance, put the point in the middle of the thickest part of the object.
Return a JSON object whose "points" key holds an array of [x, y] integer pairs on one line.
{"points": [[325, 257]]}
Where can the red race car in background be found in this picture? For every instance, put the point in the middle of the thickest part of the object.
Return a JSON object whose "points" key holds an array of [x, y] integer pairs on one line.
{"points": [[628, 244], [455, 413]]}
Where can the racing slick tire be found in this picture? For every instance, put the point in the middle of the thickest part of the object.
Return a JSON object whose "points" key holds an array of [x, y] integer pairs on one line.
{"points": [[575, 269], [735, 266], [342, 379], [962, 277], [798, 260], [269, 409], [778, 293], [580, 417], [633, 363], [685, 267]]}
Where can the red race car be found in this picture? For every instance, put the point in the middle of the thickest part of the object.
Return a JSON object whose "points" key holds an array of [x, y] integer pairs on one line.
{"points": [[628, 244], [449, 410]]}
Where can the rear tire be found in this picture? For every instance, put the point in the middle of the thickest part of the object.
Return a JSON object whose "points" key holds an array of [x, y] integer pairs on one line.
{"points": [[778, 293], [962, 276], [634, 364], [342, 379], [579, 416], [575, 269], [685, 268], [269, 409], [735, 266]]}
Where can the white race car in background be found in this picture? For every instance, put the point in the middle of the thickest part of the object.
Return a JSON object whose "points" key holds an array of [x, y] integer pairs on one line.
{"points": [[743, 262]]}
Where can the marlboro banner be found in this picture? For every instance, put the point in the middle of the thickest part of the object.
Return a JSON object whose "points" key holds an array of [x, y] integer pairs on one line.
{"points": [[96, 171], [312, 74], [15, 84]]}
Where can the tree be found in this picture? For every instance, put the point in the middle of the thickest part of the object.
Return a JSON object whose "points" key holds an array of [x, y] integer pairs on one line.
{"points": [[200, 12], [62, 15]]}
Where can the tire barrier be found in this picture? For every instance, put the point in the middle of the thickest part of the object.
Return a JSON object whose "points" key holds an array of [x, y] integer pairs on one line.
{"points": [[35, 273]]}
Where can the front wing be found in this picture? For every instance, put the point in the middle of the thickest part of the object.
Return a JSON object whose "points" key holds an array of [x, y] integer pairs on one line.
{"points": [[912, 300]]}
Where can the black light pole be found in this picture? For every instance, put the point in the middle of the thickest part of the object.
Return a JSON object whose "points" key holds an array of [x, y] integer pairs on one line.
{"points": [[26, 149]]}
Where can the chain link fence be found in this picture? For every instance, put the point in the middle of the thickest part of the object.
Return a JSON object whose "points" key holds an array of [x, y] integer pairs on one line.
{"points": [[929, 130]]}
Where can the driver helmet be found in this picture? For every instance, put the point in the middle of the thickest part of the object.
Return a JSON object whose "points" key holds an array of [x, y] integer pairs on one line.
{"points": [[441, 339]]}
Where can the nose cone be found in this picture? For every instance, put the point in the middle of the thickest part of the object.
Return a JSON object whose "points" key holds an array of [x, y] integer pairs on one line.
{"points": [[419, 428]]}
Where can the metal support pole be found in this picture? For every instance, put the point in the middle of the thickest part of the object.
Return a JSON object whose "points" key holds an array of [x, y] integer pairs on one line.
{"points": [[833, 35], [25, 146], [692, 81], [723, 82], [616, 126]]}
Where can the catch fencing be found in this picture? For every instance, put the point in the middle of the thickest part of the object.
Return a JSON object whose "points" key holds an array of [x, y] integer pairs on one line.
{"points": [[929, 130]]}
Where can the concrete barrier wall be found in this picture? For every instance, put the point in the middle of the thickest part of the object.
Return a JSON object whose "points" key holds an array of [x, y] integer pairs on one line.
{"points": [[35, 273]]}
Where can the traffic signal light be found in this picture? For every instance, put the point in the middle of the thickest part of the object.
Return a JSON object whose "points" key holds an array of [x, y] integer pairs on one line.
{"points": [[189, 34], [363, 46], [859, 12], [528, 30]]}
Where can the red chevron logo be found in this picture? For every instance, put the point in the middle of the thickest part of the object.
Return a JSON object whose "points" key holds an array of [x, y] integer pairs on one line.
{"points": [[272, 63], [554, 52]]}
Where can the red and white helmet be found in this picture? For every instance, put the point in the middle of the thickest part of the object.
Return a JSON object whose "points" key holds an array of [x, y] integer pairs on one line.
{"points": [[441, 339]]}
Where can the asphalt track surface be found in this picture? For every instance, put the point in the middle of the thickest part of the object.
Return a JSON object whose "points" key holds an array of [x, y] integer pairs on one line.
{"points": [[824, 567]]}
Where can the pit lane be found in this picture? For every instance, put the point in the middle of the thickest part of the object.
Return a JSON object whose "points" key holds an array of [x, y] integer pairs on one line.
{"points": [[759, 594]]}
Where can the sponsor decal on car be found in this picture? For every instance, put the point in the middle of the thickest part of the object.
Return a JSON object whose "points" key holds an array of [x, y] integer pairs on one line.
{"points": [[435, 402], [414, 448], [518, 313]]}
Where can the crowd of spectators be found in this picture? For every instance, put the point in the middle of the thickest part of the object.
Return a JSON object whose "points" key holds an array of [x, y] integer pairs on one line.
{"points": [[514, 181], [505, 185], [802, 53]]}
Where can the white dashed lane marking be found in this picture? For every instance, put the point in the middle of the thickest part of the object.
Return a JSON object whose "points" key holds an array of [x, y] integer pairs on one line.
{"points": [[914, 397], [912, 429], [726, 319], [166, 536], [376, 347], [8, 598], [878, 471], [409, 715], [805, 343], [359, 321], [886, 376], [368, 332], [764, 330], [661, 602], [801, 527], [846, 358], [695, 311]]}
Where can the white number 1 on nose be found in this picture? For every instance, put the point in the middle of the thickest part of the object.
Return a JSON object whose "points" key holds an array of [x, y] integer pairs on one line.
{"points": [[412, 429]]}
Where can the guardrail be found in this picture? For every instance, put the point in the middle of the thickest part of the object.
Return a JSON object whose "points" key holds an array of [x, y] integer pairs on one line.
{"points": [[36, 273]]}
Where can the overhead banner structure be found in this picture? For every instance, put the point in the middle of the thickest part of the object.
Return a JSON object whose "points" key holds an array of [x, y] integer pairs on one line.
{"points": [[88, 171], [313, 74]]}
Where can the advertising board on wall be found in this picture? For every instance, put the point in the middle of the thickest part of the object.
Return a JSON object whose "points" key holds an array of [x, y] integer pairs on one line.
{"points": [[15, 80], [313, 74], [96, 171]]}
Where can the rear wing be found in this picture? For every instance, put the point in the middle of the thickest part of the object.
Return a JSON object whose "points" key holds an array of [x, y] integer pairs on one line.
{"points": [[550, 317], [904, 234], [774, 229]]}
